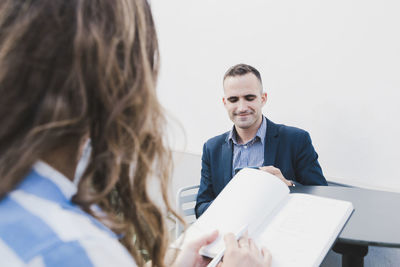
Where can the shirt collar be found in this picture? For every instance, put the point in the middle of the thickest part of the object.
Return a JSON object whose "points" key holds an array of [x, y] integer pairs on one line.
{"points": [[261, 132], [232, 135], [65, 185]]}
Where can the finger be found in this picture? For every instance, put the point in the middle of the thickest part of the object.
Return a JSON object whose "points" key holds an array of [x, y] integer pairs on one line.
{"points": [[230, 241], [277, 172], [270, 169], [205, 240], [267, 258], [244, 244], [244, 240], [253, 247], [274, 170], [245, 237], [265, 168]]}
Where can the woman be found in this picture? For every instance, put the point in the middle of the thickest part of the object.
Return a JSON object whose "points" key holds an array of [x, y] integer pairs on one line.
{"points": [[70, 71]]}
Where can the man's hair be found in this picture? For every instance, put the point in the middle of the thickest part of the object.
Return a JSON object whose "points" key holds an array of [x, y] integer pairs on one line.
{"points": [[242, 69], [77, 67]]}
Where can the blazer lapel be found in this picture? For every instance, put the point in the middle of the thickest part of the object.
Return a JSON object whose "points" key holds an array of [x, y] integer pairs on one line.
{"points": [[226, 161], [271, 143]]}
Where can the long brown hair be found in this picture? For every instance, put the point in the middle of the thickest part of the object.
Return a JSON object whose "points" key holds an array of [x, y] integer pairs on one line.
{"points": [[69, 68]]}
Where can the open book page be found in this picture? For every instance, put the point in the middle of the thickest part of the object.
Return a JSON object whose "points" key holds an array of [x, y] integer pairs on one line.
{"points": [[304, 229], [247, 200]]}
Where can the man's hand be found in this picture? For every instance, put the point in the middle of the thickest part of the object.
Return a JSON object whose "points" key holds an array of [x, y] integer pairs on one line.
{"points": [[244, 253], [277, 172], [189, 256]]}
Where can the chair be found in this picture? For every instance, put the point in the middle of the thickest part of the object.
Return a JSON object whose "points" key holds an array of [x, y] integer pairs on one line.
{"points": [[185, 203]]}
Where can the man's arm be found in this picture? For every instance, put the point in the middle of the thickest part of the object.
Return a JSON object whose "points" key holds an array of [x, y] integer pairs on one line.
{"points": [[206, 195], [307, 169]]}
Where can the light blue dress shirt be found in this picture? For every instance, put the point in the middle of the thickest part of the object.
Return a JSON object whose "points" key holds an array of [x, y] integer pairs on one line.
{"points": [[250, 154], [40, 226]]}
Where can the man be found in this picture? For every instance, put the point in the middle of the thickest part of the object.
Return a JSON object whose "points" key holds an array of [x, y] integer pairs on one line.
{"points": [[254, 141]]}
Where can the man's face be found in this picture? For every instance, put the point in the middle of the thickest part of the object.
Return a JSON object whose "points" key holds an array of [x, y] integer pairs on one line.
{"points": [[244, 100]]}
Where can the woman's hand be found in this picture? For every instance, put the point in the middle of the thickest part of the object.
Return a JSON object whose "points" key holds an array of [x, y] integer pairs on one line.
{"points": [[189, 256], [244, 253]]}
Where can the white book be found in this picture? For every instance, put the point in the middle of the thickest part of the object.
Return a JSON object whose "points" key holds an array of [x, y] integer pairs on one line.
{"points": [[298, 229]]}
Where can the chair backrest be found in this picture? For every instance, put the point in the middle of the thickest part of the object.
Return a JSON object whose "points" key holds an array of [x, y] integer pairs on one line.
{"points": [[185, 203]]}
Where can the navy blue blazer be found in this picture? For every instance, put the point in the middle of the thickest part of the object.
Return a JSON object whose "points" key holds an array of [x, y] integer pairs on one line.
{"points": [[287, 148]]}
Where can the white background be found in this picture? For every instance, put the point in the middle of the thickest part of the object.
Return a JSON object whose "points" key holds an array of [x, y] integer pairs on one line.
{"points": [[329, 67]]}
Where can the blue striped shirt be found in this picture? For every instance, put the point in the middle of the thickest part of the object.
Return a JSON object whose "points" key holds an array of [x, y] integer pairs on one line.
{"points": [[250, 154], [40, 226]]}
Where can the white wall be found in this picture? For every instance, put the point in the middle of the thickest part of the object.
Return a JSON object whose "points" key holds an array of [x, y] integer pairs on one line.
{"points": [[330, 67]]}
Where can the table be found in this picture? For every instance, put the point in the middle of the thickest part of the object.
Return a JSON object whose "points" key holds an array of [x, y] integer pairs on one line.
{"points": [[375, 220]]}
